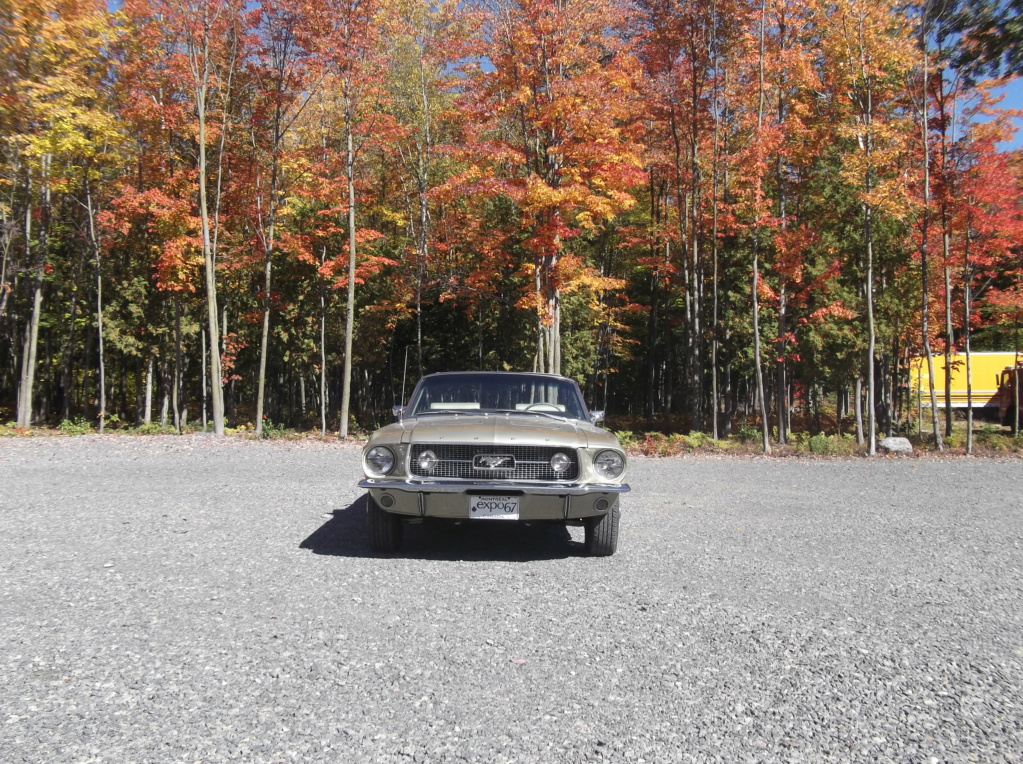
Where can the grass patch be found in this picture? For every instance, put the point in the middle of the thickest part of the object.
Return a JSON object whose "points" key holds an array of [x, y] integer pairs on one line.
{"points": [[661, 444], [273, 431], [990, 438], [151, 428], [747, 431], [824, 445], [77, 426]]}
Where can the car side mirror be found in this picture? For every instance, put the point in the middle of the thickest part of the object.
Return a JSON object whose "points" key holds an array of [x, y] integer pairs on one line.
{"points": [[596, 417], [398, 412]]}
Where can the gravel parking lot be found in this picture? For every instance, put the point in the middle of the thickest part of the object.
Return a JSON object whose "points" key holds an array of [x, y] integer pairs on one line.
{"points": [[182, 599]]}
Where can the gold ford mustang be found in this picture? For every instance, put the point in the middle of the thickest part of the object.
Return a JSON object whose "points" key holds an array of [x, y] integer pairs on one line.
{"points": [[493, 446]]}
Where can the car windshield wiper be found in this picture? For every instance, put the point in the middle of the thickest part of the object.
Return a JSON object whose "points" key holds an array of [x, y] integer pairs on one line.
{"points": [[428, 412], [549, 414]]}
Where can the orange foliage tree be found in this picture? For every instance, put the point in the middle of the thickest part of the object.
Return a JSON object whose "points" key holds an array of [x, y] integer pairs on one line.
{"points": [[556, 104]]}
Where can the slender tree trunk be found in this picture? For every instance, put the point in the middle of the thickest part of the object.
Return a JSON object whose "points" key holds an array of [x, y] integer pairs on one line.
{"points": [[871, 335], [949, 337], [554, 344], [891, 389], [758, 367], [715, 328], [858, 409], [202, 340], [423, 185], [540, 358], [346, 385], [43, 411], [176, 380], [23, 390], [94, 245], [651, 349], [268, 240], [198, 59], [216, 375], [421, 255], [681, 204], [419, 318], [1015, 362], [839, 407], [122, 392], [651, 344], [148, 414], [229, 399], [86, 391], [67, 354], [764, 414], [27, 387], [967, 298], [323, 352], [924, 246], [867, 144], [695, 381], [936, 427], [550, 327], [139, 390], [164, 390], [264, 338], [781, 381], [6, 238], [945, 251]]}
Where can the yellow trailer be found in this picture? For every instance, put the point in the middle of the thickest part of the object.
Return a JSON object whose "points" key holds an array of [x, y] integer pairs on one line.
{"points": [[985, 371]]}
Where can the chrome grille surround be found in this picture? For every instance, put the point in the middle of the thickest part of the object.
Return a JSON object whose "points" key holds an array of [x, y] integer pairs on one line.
{"points": [[456, 461]]}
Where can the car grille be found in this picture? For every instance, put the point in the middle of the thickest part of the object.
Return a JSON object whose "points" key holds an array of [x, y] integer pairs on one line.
{"points": [[464, 462]]}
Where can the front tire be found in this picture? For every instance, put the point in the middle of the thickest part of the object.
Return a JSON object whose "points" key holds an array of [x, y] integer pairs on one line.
{"points": [[601, 533], [1010, 417], [384, 528]]}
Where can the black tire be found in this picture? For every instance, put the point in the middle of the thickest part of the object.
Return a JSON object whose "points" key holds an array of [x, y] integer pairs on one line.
{"points": [[1010, 417], [384, 528], [601, 533]]}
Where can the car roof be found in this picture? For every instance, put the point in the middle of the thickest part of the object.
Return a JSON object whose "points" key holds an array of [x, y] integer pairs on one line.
{"points": [[498, 374]]}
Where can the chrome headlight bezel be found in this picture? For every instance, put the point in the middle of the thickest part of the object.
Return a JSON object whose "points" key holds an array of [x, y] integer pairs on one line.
{"points": [[609, 464], [378, 461]]}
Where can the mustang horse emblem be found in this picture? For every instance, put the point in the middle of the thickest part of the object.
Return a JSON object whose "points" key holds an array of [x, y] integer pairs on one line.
{"points": [[499, 461]]}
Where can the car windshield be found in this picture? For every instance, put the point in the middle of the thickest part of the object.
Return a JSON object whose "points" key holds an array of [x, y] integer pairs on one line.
{"points": [[497, 393]]}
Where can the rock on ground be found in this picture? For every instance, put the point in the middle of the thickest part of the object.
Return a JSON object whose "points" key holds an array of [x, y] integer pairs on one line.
{"points": [[896, 445]]}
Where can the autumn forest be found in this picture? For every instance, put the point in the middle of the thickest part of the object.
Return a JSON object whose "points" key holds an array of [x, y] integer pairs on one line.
{"points": [[220, 213]]}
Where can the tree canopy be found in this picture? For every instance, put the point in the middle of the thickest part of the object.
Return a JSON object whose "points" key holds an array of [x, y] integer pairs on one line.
{"points": [[283, 212]]}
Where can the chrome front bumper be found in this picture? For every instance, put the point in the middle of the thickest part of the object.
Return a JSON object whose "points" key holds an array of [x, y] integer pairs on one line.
{"points": [[450, 499], [470, 486]]}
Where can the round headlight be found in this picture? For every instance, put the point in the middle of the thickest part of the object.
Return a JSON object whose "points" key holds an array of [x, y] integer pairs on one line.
{"points": [[427, 461], [379, 460], [560, 462], [609, 464]]}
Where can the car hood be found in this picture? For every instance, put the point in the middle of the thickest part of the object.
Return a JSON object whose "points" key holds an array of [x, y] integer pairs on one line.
{"points": [[500, 429]]}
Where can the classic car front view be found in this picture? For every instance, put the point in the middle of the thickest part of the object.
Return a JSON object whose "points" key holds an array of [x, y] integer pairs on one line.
{"points": [[492, 447]]}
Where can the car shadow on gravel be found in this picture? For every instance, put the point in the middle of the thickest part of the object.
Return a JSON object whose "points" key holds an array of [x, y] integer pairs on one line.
{"points": [[344, 535]]}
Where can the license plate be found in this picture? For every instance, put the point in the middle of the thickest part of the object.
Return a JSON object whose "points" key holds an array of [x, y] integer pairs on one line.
{"points": [[494, 507]]}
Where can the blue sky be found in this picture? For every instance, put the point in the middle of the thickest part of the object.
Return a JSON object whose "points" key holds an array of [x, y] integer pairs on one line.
{"points": [[1014, 100]]}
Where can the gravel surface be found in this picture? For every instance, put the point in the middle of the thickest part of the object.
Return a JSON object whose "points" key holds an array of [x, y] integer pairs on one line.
{"points": [[182, 599]]}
